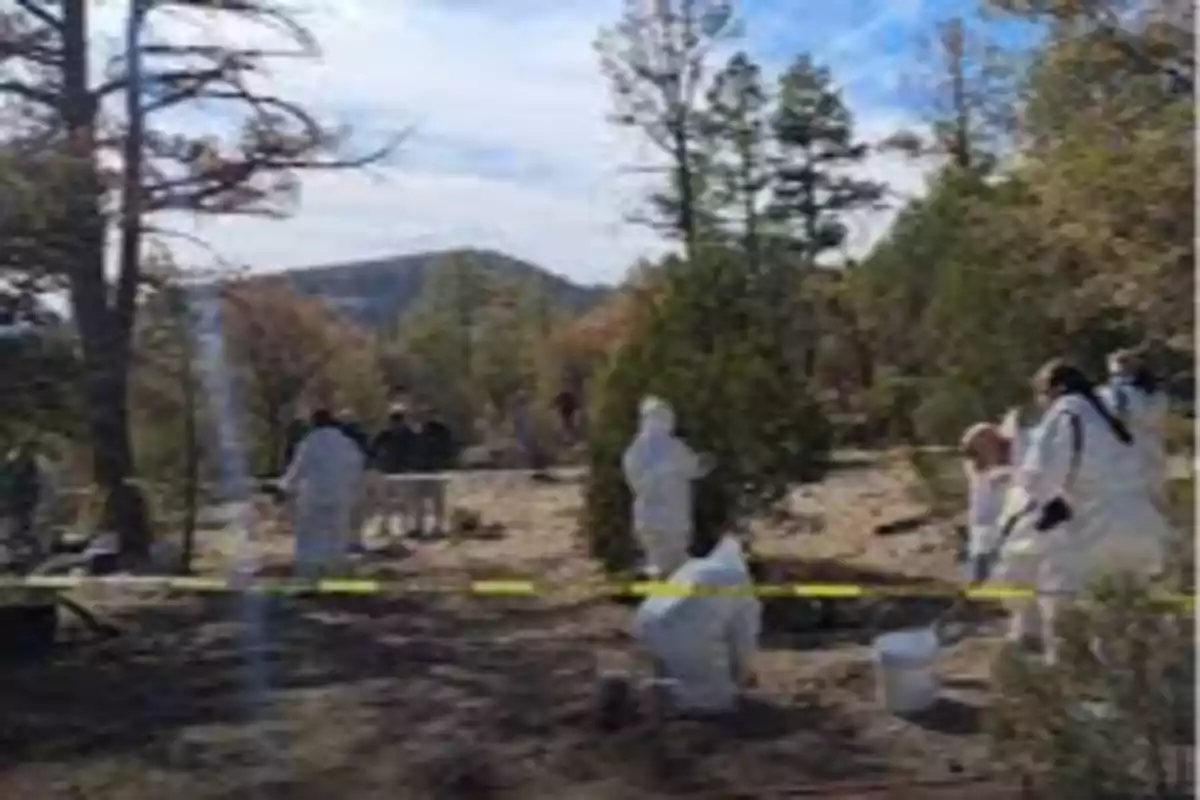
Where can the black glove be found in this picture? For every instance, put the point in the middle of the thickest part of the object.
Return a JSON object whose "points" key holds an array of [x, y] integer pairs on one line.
{"points": [[1052, 514]]}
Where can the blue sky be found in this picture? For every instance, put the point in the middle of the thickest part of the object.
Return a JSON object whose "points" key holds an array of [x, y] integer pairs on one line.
{"points": [[510, 146]]}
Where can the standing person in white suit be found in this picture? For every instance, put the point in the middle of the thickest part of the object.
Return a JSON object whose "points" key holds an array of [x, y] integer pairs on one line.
{"points": [[1085, 497], [325, 476], [985, 452], [1018, 427], [659, 468], [703, 637], [1003, 545], [1015, 564], [1132, 396]]}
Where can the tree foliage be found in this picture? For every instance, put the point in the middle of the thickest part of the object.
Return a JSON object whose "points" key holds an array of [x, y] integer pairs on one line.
{"points": [[814, 131], [1078, 243], [123, 158], [285, 349], [737, 146], [656, 59], [729, 394]]}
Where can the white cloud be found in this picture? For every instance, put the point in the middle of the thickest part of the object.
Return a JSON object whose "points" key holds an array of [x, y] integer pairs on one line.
{"points": [[519, 78]]}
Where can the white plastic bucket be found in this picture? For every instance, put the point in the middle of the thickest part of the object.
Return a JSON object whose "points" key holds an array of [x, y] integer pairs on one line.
{"points": [[907, 680]]}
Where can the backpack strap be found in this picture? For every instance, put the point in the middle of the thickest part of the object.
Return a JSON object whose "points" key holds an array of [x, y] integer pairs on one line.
{"points": [[1077, 443]]}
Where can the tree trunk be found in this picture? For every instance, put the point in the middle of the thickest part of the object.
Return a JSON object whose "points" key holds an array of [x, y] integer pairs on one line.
{"points": [[112, 451], [687, 199], [105, 346], [191, 455], [750, 210]]}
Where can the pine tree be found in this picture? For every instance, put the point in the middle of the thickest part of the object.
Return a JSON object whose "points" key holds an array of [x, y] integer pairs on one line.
{"points": [[655, 59], [737, 119], [814, 131]]}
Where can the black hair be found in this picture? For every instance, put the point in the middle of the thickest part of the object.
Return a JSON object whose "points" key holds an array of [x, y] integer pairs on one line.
{"points": [[1144, 380], [1057, 377], [322, 417], [1137, 371]]}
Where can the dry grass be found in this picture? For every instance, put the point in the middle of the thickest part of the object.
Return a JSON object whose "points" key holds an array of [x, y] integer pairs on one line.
{"points": [[447, 696]]}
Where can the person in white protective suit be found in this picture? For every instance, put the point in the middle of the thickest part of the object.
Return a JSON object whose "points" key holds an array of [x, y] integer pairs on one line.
{"points": [[703, 634], [1083, 511], [1132, 396], [659, 468], [1001, 547], [1018, 427], [985, 452], [325, 480]]}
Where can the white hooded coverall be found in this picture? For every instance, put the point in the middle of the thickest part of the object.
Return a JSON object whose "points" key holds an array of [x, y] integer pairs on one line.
{"points": [[659, 469], [1146, 417], [325, 476], [1021, 545], [1113, 526], [987, 491], [704, 639], [1018, 434]]}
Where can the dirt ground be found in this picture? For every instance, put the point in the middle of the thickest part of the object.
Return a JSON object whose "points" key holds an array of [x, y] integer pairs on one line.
{"points": [[443, 696]]}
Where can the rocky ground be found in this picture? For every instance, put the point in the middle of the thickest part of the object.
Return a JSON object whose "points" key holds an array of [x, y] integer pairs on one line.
{"points": [[444, 695]]}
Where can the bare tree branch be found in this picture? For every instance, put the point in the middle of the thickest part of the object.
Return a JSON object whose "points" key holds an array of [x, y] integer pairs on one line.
{"points": [[271, 15], [25, 91], [35, 9]]}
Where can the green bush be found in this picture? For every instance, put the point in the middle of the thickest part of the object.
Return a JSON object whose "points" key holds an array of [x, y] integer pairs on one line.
{"points": [[1180, 434], [946, 408], [939, 480], [733, 398], [891, 405], [1110, 721]]}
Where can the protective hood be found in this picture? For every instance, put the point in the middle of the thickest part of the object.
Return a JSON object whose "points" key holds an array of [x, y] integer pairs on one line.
{"points": [[657, 418], [656, 430]]}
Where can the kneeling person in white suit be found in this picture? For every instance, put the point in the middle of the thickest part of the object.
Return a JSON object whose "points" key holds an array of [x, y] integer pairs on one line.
{"points": [[703, 635]]}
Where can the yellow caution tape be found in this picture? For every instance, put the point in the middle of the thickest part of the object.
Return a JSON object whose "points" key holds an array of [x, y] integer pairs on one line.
{"points": [[523, 588]]}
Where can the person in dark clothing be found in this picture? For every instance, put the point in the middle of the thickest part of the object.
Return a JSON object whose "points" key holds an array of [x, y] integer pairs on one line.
{"points": [[435, 453], [24, 491], [297, 429], [352, 430], [393, 453], [567, 406], [436, 448], [350, 426]]}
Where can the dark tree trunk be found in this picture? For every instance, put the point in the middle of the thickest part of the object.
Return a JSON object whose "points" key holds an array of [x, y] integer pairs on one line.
{"points": [[687, 198], [191, 456], [105, 340]]}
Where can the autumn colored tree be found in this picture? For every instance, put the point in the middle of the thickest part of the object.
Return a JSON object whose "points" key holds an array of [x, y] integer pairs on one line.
{"points": [[170, 417], [285, 348], [587, 342], [1112, 178]]}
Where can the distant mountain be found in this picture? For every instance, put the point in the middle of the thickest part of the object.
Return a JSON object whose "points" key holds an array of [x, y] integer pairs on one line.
{"points": [[375, 293]]}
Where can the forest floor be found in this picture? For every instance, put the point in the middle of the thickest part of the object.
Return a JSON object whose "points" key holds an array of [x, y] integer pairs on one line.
{"points": [[446, 696]]}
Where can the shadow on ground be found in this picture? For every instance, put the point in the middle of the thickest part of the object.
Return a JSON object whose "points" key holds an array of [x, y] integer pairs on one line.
{"points": [[793, 622], [446, 696]]}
